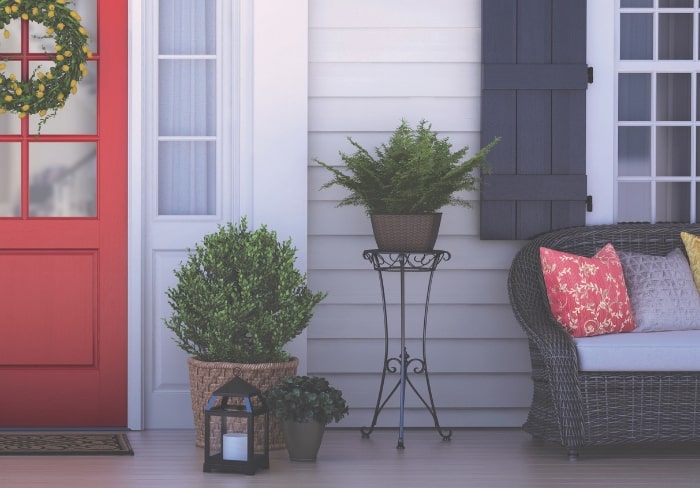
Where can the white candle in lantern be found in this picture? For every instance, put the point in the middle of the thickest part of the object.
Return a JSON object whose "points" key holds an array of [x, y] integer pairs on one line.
{"points": [[235, 447]]}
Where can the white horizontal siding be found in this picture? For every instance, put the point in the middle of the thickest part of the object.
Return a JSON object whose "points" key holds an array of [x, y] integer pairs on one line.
{"points": [[372, 63]]}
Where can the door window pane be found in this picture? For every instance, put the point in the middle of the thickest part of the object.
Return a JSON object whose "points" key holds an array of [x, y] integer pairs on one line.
{"points": [[10, 179], [187, 27], [79, 115], [62, 179], [187, 178], [186, 97]]}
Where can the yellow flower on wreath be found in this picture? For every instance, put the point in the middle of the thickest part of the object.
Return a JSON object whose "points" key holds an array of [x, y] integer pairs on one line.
{"points": [[45, 91]]}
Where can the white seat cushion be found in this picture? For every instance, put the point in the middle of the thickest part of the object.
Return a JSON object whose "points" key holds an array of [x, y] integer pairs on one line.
{"points": [[677, 350]]}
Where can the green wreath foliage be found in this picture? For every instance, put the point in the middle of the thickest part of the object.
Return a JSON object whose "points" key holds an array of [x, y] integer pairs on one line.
{"points": [[45, 91]]}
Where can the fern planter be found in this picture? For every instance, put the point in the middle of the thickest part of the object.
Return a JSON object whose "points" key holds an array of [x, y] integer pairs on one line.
{"points": [[406, 232], [415, 172]]}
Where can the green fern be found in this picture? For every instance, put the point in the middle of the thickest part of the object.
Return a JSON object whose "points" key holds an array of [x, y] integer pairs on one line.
{"points": [[415, 172]]}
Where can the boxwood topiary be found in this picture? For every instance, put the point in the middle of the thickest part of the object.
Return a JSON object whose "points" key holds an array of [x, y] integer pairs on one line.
{"points": [[239, 297]]}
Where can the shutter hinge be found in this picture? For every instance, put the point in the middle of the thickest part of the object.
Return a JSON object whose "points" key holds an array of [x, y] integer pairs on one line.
{"points": [[589, 203], [590, 74]]}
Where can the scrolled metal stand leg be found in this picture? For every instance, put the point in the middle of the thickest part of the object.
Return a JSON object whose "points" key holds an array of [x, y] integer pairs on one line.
{"points": [[378, 408], [404, 360], [433, 411]]}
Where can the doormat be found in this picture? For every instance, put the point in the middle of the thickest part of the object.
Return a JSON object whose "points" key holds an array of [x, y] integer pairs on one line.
{"points": [[64, 444]]}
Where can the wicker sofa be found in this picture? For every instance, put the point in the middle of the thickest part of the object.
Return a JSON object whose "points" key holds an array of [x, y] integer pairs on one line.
{"points": [[578, 408]]}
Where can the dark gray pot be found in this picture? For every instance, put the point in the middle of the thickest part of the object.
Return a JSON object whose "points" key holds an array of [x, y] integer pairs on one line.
{"points": [[406, 232], [303, 439]]}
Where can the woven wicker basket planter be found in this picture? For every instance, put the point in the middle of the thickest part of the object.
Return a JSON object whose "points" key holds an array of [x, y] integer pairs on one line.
{"points": [[400, 232], [206, 377]]}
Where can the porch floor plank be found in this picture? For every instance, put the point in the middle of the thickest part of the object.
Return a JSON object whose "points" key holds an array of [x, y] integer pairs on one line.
{"points": [[480, 458]]}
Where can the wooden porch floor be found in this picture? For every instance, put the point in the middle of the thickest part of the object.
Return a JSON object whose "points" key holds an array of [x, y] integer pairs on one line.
{"points": [[479, 458]]}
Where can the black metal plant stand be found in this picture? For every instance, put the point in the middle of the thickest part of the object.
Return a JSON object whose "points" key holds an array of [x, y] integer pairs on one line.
{"points": [[405, 262]]}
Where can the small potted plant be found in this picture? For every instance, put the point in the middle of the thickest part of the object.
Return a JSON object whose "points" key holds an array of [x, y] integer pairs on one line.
{"points": [[239, 299], [405, 182], [305, 405]]}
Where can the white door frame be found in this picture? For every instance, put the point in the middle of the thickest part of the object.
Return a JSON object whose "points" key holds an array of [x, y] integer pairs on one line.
{"points": [[273, 170]]}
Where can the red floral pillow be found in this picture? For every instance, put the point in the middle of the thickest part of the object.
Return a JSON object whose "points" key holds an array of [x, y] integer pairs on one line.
{"points": [[588, 296]]}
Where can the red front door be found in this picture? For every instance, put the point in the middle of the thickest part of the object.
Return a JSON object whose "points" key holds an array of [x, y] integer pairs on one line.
{"points": [[63, 236]]}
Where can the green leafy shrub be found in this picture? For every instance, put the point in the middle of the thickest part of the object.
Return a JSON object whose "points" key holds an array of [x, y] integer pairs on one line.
{"points": [[239, 297], [416, 172], [306, 398]]}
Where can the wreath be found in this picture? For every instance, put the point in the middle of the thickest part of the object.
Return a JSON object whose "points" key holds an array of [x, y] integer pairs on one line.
{"points": [[45, 91]]}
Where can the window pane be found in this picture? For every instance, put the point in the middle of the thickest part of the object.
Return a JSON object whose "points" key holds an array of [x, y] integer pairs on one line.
{"points": [[62, 179], [673, 96], [10, 180], [636, 3], [636, 36], [673, 202], [634, 151], [675, 36], [79, 115], [634, 202], [186, 178], [187, 27], [187, 98], [634, 96], [673, 151], [676, 3]]}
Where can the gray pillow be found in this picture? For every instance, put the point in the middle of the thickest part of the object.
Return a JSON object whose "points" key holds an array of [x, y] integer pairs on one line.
{"points": [[662, 293]]}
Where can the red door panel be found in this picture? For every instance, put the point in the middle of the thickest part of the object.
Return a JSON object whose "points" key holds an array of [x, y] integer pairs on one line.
{"points": [[63, 276]]}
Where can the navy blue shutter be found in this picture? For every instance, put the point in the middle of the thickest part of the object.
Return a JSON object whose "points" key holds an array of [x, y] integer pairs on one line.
{"points": [[534, 97]]}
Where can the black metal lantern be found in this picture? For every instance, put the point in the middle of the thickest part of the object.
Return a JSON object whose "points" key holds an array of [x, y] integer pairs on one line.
{"points": [[236, 432]]}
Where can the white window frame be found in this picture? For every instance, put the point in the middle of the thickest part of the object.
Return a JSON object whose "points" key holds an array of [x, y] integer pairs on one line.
{"points": [[601, 124]]}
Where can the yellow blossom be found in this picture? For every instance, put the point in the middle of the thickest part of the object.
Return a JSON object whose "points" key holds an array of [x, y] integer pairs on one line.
{"points": [[18, 91], [35, 11], [25, 17], [50, 13], [49, 31], [60, 25], [74, 90], [8, 10], [42, 113], [65, 68], [83, 30], [52, 7], [40, 94], [25, 107], [6, 34], [60, 96], [13, 77], [40, 75], [75, 15], [8, 98], [2, 110], [59, 57], [58, 47], [22, 115], [14, 8], [49, 75], [73, 83], [67, 53], [2, 66]]}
